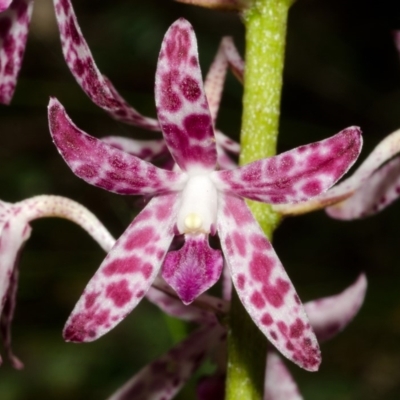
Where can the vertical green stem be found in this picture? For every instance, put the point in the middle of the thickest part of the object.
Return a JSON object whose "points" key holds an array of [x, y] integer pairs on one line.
{"points": [[265, 22]]}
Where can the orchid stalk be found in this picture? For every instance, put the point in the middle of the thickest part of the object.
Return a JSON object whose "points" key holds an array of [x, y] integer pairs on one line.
{"points": [[265, 23]]}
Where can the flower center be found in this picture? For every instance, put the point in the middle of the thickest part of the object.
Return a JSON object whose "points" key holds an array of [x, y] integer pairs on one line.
{"points": [[198, 211]]}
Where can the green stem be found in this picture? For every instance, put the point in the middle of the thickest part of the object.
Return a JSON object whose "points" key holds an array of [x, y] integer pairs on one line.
{"points": [[265, 22]]}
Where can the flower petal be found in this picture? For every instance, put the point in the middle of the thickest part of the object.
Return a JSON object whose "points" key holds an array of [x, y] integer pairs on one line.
{"points": [[214, 82], [279, 383], [181, 102], [330, 315], [383, 152], [164, 377], [126, 273], [14, 24], [103, 165], [146, 150], [81, 63], [227, 143], [376, 193], [7, 317], [297, 174], [193, 269], [4, 4], [236, 62], [263, 285]]}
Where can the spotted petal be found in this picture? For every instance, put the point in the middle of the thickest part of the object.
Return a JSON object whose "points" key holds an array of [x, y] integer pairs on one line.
{"points": [[297, 174], [164, 377], [126, 273], [279, 383], [14, 24], [382, 153], [328, 316], [181, 102], [103, 165], [380, 190], [81, 63], [263, 285]]}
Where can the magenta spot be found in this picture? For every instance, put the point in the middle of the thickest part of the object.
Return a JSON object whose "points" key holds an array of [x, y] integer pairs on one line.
{"points": [[297, 299], [140, 238], [275, 294], [163, 211], [193, 61], [282, 327], [102, 317], [287, 163], [177, 47], [296, 329], [312, 188], [289, 346], [266, 319], [198, 126], [147, 269], [116, 162], [257, 300], [241, 280], [260, 267], [273, 335], [190, 89], [73, 31], [119, 293], [170, 101], [86, 171], [260, 242], [240, 243], [123, 266], [140, 294], [90, 298]]}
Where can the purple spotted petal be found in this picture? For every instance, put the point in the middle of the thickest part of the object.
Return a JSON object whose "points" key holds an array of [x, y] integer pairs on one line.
{"points": [[103, 165], [193, 269], [382, 153], [330, 315], [279, 383], [164, 377], [295, 175], [236, 62], [175, 308], [214, 82], [4, 4], [126, 273], [181, 103], [376, 193], [147, 150], [81, 63], [263, 285], [14, 24]]}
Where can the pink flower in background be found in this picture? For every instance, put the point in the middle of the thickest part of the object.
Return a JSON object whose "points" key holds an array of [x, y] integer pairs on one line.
{"points": [[194, 202], [165, 376], [15, 17], [15, 230]]}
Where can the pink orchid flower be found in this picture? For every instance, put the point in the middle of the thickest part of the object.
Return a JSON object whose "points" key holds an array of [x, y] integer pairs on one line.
{"points": [[15, 230], [15, 16], [103, 93], [165, 376], [194, 202]]}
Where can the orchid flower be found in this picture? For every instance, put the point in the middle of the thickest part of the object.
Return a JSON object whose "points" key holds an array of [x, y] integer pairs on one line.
{"points": [[165, 376], [15, 16], [103, 93], [371, 188], [15, 230], [193, 203]]}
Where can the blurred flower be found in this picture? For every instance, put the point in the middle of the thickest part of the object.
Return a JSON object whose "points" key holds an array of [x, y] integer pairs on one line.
{"points": [[15, 230], [164, 377], [102, 92], [15, 16], [371, 188], [193, 202], [231, 5]]}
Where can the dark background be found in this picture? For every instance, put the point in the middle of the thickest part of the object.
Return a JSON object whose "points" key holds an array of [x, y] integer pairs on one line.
{"points": [[341, 69]]}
